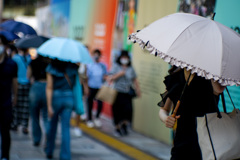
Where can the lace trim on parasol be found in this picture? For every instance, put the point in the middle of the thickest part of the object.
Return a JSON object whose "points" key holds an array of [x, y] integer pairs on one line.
{"points": [[178, 63]]}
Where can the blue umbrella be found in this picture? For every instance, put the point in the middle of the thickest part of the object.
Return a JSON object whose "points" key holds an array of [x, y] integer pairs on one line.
{"points": [[65, 49], [9, 35], [17, 27], [31, 42]]}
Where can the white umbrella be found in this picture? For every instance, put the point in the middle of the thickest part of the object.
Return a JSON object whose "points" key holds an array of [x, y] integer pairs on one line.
{"points": [[208, 48]]}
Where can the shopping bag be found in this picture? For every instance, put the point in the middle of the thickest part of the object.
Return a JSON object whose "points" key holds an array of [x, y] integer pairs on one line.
{"points": [[218, 134], [78, 97], [219, 137], [107, 94]]}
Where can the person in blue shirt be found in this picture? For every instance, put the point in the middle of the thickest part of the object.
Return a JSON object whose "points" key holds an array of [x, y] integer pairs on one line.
{"points": [[96, 73], [61, 76], [8, 95], [21, 112]]}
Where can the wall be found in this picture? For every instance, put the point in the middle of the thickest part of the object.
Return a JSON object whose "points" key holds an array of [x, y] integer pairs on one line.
{"points": [[151, 72], [227, 13], [92, 23], [53, 20]]}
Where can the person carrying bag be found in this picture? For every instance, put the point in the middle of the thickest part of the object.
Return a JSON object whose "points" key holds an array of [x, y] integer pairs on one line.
{"points": [[190, 96], [218, 134], [123, 76]]}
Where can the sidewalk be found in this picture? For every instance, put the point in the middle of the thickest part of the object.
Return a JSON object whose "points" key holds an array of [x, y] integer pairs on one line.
{"points": [[83, 148], [139, 141], [92, 147]]}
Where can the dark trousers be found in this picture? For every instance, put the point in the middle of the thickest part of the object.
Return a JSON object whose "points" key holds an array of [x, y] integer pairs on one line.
{"points": [[21, 111], [122, 108], [186, 151], [90, 99], [5, 124]]}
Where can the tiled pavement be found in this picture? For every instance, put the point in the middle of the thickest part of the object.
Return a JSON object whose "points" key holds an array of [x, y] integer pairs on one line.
{"points": [[87, 148]]}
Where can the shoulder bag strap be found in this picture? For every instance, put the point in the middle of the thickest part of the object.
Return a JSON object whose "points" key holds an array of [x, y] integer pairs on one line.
{"points": [[68, 80], [216, 106], [223, 103], [230, 98], [210, 138]]}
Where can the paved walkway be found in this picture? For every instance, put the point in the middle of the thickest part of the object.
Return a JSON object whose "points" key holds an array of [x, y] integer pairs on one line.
{"points": [[94, 147], [148, 145], [83, 148]]}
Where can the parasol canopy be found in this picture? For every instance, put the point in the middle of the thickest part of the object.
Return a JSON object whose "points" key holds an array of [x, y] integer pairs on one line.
{"points": [[204, 46]]}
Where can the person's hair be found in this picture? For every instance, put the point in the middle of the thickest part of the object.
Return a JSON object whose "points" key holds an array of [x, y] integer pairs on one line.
{"points": [[173, 70], [43, 59], [62, 65], [97, 51], [13, 48], [23, 49], [4, 40], [124, 53]]}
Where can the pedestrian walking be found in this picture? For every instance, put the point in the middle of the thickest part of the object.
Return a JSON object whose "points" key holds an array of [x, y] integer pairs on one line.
{"points": [[96, 73], [21, 112], [199, 97], [37, 97], [125, 79], [8, 97], [60, 102]]}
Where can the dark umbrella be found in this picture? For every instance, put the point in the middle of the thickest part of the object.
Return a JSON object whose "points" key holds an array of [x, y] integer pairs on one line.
{"points": [[17, 27], [9, 35], [31, 42]]}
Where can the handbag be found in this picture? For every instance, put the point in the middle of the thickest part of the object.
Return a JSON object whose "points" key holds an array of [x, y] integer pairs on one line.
{"points": [[132, 92], [77, 94], [107, 94], [218, 134]]}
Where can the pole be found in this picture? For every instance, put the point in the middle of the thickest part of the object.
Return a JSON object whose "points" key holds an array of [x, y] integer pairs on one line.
{"points": [[1, 9]]}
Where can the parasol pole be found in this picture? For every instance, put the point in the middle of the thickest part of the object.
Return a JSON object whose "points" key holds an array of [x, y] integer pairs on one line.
{"points": [[179, 101]]}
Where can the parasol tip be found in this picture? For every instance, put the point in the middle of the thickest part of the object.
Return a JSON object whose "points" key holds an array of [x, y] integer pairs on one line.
{"points": [[213, 15]]}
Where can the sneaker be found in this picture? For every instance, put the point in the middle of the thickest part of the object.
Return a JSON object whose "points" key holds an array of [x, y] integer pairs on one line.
{"points": [[118, 133], [49, 156], [83, 117], [14, 128], [25, 130], [98, 123], [78, 132], [124, 129], [36, 144], [90, 124]]}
